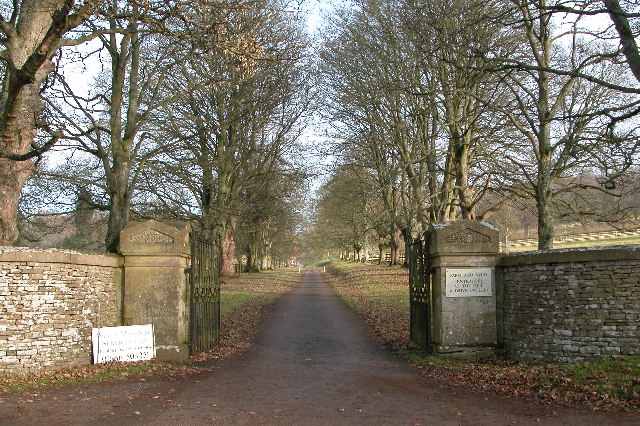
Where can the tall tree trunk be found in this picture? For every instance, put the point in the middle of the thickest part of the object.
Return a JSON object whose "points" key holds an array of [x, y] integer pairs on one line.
{"points": [[228, 249], [406, 236], [465, 193], [393, 246], [253, 262], [119, 196], [13, 175], [546, 228], [31, 37], [447, 206], [124, 62], [544, 150], [28, 51], [118, 219]]}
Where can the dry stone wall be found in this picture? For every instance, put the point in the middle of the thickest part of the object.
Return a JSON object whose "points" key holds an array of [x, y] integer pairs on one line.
{"points": [[560, 306], [571, 305], [49, 301]]}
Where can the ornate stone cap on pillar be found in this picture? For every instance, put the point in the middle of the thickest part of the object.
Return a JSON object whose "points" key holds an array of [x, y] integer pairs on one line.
{"points": [[465, 236], [152, 237]]}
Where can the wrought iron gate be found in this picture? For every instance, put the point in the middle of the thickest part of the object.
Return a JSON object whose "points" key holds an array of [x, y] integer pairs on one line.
{"points": [[204, 332], [420, 293]]}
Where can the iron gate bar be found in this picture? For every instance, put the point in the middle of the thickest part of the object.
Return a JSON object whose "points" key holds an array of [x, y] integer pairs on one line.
{"points": [[420, 293], [204, 330]]}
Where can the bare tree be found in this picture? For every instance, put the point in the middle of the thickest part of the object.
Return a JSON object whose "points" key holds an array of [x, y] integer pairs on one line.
{"points": [[340, 220], [106, 130], [363, 65], [144, 45], [237, 129], [267, 218], [557, 113], [32, 32], [408, 90]]}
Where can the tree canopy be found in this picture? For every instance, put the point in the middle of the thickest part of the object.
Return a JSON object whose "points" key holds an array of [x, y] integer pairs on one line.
{"points": [[431, 111]]}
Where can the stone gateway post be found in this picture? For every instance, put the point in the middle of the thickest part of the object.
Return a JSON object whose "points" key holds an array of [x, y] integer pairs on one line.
{"points": [[156, 290], [463, 257]]}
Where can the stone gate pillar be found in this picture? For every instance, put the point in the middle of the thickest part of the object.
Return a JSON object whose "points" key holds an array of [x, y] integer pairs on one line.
{"points": [[463, 257], [155, 284]]}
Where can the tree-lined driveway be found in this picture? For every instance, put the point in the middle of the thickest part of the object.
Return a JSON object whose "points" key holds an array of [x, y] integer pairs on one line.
{"points": [[313, 364]]}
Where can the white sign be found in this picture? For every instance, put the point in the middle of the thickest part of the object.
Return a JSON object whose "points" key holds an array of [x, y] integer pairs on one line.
{"points": [[131, 343], [468, 282]]}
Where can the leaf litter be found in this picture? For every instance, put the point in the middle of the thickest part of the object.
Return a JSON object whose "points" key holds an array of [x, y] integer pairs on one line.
{"points": [[376, 292], [238, 327]]}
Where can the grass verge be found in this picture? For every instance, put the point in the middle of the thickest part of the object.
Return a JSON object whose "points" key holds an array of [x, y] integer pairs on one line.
{"points": [[244, 299], [87, 374], [379, 294], [606, 384]]}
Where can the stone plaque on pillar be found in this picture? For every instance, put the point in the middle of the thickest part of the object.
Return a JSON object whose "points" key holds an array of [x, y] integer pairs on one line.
{"points": [[468, 282], [156, 255], [463, 257]]}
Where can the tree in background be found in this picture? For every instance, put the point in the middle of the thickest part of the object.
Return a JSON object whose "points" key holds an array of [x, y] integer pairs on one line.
{"points": [[341, 219], [437, 115], [269, 212], [108, 130], [237, 130], [409, 103], [475, 117], [362, 66]]}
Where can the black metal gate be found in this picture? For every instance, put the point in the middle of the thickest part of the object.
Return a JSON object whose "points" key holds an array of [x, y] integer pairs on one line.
{"points": [[420, 293], [205, 294]]}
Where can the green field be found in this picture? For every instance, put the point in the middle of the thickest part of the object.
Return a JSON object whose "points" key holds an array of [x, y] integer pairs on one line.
{"points": [[577, 244]]}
